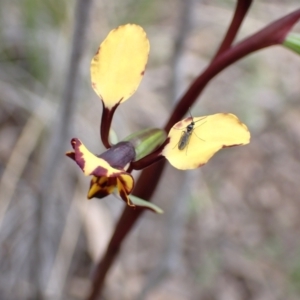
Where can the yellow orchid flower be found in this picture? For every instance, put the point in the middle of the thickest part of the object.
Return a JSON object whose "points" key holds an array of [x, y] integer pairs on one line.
{"points": [[108, 169], [116, 72]]}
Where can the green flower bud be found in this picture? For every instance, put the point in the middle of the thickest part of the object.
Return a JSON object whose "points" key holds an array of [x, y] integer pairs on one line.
{"points": [[146, 141], [292, 42]]}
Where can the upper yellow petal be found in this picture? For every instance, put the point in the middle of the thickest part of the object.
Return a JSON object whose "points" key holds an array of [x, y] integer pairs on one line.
{"points": [[208, 135], [119, 65]]}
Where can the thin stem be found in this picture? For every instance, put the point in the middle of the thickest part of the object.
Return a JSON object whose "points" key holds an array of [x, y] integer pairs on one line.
{"points": [[242, 7], [107, 115]]}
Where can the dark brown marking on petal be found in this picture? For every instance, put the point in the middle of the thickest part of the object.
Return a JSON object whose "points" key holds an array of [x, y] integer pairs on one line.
{"points": [[200, 165], [142, 73], [104, 184], [240, 122], [78, 154], [224, 146], [110, 181], [75, 143], [183, 124], [71, 155], [100, 194], [179, 125], [95, 179], [100, 171], [97, 51], [123, 195]]}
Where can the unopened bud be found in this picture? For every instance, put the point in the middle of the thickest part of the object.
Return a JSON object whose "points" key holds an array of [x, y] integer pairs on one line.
{"points": [[146, 141], [292, 42]]}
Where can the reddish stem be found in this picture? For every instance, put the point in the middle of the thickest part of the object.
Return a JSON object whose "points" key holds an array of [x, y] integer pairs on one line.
{"points": [[150, 159], [107, 115], [128, 218], [241, 10]]}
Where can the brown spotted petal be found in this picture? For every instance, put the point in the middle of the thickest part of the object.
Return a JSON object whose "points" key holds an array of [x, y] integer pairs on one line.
{"points": [[109, 164]]}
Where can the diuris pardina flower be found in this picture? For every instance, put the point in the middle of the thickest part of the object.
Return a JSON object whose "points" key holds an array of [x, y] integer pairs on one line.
{"points": [[116, 72], [108, 169]]}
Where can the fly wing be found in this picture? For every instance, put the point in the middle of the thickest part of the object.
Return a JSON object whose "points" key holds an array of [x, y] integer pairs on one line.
{"points": [[184, 140]]}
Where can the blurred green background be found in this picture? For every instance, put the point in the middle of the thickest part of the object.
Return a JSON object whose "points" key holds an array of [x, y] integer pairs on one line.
{"points": [[231, 230]]}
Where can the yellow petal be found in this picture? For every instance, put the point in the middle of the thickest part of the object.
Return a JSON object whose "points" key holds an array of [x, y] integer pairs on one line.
{"points": [[127, 182], [118, 66], [209, 135], [90, 163], [123, 184]]}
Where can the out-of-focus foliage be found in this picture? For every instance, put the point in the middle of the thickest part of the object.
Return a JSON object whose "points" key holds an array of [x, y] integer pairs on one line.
{"points": [[236, 219]]}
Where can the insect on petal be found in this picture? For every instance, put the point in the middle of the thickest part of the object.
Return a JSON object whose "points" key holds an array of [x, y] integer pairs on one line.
{"points": [[209, 135]]}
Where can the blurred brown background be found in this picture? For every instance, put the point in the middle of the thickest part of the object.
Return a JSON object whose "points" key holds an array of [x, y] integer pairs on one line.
{"points": [[231, 230]]}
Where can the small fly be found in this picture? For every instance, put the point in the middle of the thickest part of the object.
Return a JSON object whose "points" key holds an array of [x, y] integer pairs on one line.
{"points": [[186, 135]]}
